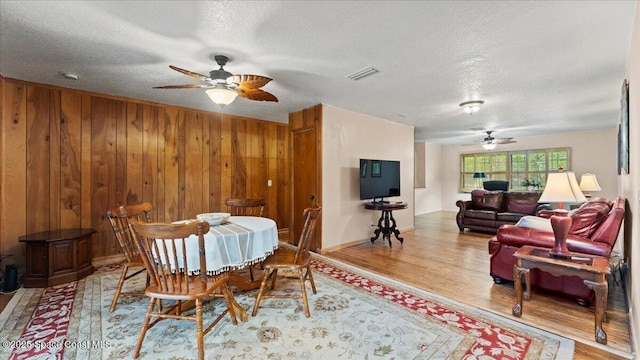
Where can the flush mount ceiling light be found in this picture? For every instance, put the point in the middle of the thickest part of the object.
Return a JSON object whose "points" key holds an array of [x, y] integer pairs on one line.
{"points": [[363, 73], [472, 106], [68, 76]]}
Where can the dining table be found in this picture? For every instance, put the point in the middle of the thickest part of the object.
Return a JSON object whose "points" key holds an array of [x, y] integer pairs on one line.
{"points": [[240, 242]]}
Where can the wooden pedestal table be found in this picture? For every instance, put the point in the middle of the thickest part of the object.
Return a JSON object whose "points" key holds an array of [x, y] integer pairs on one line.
{"points": [[386, 223], [57, 256], [592, 269]]}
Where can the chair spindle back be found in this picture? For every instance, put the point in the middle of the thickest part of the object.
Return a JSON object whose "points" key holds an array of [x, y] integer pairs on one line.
{"points": [[245, 207], [119, 217], [163, 248], [311, 216]]}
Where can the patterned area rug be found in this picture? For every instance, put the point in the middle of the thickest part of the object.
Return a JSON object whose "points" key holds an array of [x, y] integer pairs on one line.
{"points": [[355, 315]]}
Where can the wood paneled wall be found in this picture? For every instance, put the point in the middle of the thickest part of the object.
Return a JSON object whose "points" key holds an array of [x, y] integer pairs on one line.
{"points": [[67, 156]]}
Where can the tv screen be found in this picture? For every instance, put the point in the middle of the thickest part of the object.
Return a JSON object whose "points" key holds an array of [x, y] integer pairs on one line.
{"points": [[379, 179]]}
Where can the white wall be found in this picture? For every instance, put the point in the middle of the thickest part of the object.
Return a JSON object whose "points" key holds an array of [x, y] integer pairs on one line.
{"points": [[346, 137], [429, 198], [630, 184], [591, 151]]}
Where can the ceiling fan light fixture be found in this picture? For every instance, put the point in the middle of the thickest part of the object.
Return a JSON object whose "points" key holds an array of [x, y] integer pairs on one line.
{"points": [[221, 95], [489, 146], [472, 106]]}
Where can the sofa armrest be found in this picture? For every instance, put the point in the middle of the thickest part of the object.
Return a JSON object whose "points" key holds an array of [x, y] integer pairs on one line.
{"points": [[463, 205], [544, 208], [520, 236]]}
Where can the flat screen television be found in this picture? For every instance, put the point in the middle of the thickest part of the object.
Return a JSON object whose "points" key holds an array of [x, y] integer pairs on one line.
{"points": [[379, 179]]}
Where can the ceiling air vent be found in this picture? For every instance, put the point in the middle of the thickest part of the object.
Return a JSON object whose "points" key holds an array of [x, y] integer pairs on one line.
{"points": [[363, 73]]}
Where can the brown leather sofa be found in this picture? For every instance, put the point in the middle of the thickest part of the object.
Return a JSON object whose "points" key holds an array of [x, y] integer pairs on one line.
{"points": [[594, 231], [488, 210]]}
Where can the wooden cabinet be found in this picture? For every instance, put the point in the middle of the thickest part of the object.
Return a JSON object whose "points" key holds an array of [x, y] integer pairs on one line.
{"points": [[58, 256]]}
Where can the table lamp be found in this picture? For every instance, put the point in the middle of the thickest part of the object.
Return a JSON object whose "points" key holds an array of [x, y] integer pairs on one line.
{"points": [[561, 187], [479, 175], [588, 182]]}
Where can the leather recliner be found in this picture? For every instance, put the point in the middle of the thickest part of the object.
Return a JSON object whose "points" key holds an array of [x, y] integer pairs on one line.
{"points": [[594, 231]]}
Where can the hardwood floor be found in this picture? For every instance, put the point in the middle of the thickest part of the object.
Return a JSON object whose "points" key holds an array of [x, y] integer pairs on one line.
{"points": [[438, 258]]}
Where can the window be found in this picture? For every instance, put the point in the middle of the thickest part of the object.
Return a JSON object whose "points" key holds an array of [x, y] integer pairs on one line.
{"points": [[512, 166]]}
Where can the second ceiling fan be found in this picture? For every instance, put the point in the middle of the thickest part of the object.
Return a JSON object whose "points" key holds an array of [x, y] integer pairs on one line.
{"points": [[490, 143], [223, 86]]}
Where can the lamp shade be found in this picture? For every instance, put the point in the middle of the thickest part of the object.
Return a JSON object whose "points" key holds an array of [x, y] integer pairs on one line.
{"points": [[588, 182], [562, 187], [479, 175], [221, 95]]}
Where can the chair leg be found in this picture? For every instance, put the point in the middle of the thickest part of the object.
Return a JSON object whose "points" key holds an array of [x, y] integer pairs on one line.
{"points": [[251, 273], [200, 333], [123, 275], [304, 293], [251, 270], [145, 327], [310, 276], [263, 285], [273, 280]]}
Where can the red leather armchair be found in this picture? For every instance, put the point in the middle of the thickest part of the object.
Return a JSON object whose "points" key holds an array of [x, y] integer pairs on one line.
{"points": [[595, 229]]}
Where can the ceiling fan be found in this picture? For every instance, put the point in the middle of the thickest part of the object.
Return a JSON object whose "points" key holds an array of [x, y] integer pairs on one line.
{"points": [[223, 86], [489, 143]]}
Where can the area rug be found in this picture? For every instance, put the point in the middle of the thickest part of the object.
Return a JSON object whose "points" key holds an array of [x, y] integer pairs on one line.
{"points": [[354, 315]]}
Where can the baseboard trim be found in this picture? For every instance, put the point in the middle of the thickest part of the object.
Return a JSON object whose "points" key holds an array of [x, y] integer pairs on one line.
{"points": [[325, 251], [106, 260]]}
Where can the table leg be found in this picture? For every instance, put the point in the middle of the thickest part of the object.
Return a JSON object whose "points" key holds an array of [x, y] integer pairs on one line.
{"points": [[386, 232], [395, 231], [377, 231], [240, 312], [517, 284], [527, 284], [601, 289], [237, 280]]}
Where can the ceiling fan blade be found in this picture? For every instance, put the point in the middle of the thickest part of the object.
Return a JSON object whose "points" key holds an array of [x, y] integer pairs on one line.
{"points": [[248, 81], [186, 86], [504, 141], [256, 94], [191, 73]]}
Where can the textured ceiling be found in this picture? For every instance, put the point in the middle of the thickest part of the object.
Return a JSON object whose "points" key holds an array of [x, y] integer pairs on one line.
{"points": [[540, 66]]}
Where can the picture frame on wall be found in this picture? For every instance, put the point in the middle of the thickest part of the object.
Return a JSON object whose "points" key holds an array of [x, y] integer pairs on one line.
{"points": [[623, 131]]}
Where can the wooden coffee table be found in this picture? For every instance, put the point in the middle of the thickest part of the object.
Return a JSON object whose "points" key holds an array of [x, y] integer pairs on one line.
{"points": [[592, 269]]}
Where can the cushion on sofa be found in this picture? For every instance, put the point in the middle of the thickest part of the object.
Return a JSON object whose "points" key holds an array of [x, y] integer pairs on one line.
{"points": [[487, 200], [480, 214], [520, 208], [588, 218], [522, 203], [508, 217]]}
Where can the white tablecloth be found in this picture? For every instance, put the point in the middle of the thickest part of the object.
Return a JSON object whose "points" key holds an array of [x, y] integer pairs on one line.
{"points": [[242, 241]]}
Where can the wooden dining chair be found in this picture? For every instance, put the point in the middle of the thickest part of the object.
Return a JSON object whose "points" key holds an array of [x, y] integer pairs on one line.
{"points": [[119, 217], [164, 253], [245, 207], [297, 260]]}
